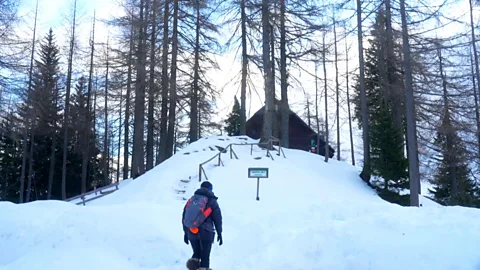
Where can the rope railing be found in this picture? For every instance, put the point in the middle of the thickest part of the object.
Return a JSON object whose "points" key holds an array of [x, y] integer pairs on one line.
{"points": [[269, 144]]}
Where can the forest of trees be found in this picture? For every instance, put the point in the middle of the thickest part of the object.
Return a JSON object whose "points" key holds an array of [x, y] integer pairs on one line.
{"points": [[99, 109]]}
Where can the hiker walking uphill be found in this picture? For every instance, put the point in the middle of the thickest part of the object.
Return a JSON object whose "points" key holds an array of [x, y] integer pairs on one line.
{"points": [[201, 217]]}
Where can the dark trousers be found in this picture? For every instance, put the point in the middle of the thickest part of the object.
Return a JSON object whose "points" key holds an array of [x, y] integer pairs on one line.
{"points": [[201, 250]]}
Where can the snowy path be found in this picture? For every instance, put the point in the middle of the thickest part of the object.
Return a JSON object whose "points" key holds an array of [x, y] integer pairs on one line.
{"points": [[311, 215]]}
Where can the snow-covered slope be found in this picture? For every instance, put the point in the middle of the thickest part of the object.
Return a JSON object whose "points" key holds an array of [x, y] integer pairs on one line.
{"points": [[311, 215]]}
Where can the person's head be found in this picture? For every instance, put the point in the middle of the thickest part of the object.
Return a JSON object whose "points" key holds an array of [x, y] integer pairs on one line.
{"points": [[207, 185]]}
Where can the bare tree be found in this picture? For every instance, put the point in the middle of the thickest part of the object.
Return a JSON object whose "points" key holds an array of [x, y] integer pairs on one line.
{"points": [[88, 133], [413, 167], [365, 174], [337, 86], [119, 134], [106, 158], [126, 145], [477, 71], [51, 170], [67, 103], [162, 155], [284, 108], [448, 130], [196, 77], [243, 91], [138, 163], [173, 83], [151, 88], [393, 93], [28, 116], [477, 112], [268, 76], [324, 61], [317, 116], [352, 150]]}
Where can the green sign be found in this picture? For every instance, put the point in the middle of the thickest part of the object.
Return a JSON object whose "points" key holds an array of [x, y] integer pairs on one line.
{"points": [[257, 172]]}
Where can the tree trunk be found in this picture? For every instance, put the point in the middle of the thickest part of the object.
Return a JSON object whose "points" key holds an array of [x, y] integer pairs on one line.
{"points": [[194, 94], [337, 86], [138, 164], [410, 108], [87, 132], [365, 174], [53, 149], [94, 172], [324, 60], [66, 122], [309, 115], [200, 98], [285, 110], [111, 155], [448, 129], [352, 150], [393, 94], [28, 117], [151, 90], [127, 108], [477, 115], [24, 160], [475, 57], [243, 91], [30, 167], [105, 139], [119, 135], [162, 154], [173, 83], [275, 126], [268, 76], [317, 116]]}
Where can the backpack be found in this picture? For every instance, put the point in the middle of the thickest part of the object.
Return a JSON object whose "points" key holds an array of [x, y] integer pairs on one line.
{"points": [[196, 212]]}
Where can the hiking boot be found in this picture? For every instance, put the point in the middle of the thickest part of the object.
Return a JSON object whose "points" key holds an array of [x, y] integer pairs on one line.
{"points": [[193, 263]]}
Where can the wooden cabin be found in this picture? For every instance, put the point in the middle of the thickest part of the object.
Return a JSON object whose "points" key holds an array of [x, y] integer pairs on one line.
{"points": [[301, 136]]}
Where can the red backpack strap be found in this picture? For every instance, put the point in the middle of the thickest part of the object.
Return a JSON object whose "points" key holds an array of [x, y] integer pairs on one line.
{"points": [[188, 203]]}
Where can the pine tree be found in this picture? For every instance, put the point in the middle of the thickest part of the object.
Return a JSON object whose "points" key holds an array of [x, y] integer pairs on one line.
{"points": [[233, 121], [44, 164], [43, 100], [452, 184], [387, 157], [10, 159], [79, 112], [452, 163]]}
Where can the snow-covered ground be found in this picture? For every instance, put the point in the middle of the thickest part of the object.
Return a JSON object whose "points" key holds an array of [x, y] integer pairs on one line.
{"points": [[311, 215]]}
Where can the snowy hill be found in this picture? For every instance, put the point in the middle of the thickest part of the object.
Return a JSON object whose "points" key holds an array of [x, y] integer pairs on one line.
{"points": [[311, 215]]}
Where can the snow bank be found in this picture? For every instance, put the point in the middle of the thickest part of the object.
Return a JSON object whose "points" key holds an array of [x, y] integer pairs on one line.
{"points": [[311, 215]]}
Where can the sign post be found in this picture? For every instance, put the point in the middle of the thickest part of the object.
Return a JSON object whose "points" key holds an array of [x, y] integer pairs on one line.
{"points": [[258, 173]]}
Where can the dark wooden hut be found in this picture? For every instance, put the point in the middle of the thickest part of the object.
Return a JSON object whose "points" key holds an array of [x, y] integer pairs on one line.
{"points": [[301, 136]]}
